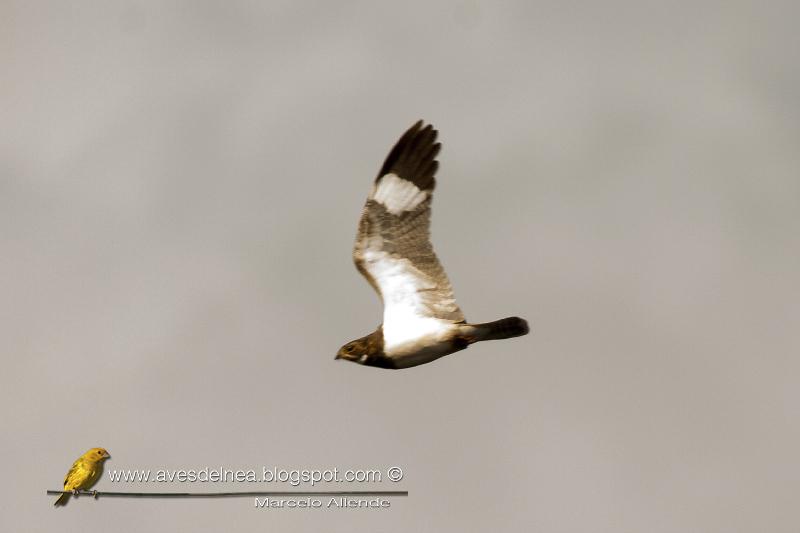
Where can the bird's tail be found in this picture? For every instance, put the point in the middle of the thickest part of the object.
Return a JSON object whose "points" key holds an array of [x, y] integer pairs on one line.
{"points": [[62, 500], [505, 328]]}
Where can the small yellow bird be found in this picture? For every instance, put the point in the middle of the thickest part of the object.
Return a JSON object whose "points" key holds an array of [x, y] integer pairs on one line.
{"points": [[84, 473]]}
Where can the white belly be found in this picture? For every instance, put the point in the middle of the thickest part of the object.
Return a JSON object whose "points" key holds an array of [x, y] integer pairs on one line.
{"points": [[433, 340]]}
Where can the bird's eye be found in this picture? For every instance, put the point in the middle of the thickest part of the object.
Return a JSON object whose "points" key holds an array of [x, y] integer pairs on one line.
{"points": [[99, 452]]}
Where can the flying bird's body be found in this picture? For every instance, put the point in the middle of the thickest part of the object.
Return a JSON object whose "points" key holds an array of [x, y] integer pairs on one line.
{"points": [[421, 320], [84, 473]]}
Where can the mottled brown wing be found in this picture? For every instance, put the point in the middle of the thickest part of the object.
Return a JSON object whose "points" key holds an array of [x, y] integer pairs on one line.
{"points": [[393, 249]]}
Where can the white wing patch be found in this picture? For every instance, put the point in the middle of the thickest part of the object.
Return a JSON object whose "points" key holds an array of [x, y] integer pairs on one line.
{"points": [[407, 326], [397, 195]]}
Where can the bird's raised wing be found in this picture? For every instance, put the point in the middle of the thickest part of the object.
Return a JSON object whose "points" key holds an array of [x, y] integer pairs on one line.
{"points": [[393, 249]]}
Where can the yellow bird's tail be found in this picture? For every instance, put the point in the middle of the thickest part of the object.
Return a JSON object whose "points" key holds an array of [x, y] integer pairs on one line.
{"points": [[62, 500]]}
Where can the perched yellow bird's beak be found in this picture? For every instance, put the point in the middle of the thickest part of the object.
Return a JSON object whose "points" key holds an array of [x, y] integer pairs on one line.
{"points": [[106, 455]]}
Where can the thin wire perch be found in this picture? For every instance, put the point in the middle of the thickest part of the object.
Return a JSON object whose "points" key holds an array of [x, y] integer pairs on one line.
{"points": [[96, 494]]}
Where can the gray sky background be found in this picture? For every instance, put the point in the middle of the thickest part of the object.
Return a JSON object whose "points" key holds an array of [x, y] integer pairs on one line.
{"points": [[179, 190]]}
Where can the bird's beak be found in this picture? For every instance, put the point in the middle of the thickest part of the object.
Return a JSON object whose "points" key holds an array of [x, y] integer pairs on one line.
{"points": [[338, 356], [107, 455]]}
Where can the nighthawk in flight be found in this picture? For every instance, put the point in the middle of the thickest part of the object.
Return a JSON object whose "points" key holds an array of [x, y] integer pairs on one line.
{"points": [[421, 321]]}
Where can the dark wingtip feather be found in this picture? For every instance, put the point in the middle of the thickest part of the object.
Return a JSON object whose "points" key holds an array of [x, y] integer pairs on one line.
{"points": [[413, 157]]}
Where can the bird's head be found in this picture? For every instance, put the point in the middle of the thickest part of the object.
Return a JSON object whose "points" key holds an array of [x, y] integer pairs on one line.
{"points": [[356, 351], [97, 455], [367, 350]]}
